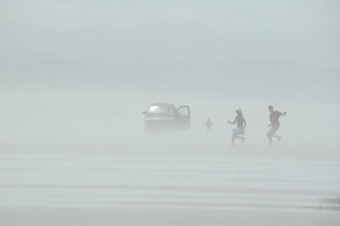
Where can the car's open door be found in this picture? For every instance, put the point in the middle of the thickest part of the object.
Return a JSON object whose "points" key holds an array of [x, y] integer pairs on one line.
{"points": [[183, 117]]}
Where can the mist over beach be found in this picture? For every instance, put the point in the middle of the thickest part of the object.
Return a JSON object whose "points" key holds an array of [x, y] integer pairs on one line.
{"points": [[75, 77]]}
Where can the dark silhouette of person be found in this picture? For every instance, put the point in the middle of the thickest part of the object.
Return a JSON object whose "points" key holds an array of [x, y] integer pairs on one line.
{"points": [[241, 125], [274, 123], [208, 125]]}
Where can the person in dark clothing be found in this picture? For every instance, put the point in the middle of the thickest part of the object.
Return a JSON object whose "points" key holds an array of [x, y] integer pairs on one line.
{"points": [[241, 125], [208, 125], [274, 123]]}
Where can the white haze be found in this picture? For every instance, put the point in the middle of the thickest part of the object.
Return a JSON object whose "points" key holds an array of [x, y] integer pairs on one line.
{"points": [[88, 116], [76, 75], [80, 71]]}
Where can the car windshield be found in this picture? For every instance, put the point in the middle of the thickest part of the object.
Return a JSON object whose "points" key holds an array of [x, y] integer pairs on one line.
{"points": [[161, 110]]}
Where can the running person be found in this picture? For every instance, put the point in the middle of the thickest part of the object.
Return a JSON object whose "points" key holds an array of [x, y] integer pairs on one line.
{"points": [[274, 123], [208, 125], [241, 125]]}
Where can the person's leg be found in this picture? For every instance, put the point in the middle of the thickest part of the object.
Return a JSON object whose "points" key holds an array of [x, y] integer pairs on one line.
{"points": [[269, 135], [240, 137], [274, 134], [233, 140], [235, 131], [237, 134], [278, 137]]}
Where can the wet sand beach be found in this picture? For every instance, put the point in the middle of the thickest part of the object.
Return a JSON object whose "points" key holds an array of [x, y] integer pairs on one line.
{"points": [[175, 184]]}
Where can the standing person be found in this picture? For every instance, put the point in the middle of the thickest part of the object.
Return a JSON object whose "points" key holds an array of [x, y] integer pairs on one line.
{"points": [[208, 125], [274, 123], [241, 125]]}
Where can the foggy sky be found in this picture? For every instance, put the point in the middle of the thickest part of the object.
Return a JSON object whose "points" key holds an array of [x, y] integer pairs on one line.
{"points": [[231, 52]]}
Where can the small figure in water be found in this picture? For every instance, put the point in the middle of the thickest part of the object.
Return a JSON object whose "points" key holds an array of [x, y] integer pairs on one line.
{"points": [[208, 125], [274, 123], [241, 125]]}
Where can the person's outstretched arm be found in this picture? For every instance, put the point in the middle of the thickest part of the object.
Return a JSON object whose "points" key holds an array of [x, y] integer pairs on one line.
{"points": [[233, 121]]}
